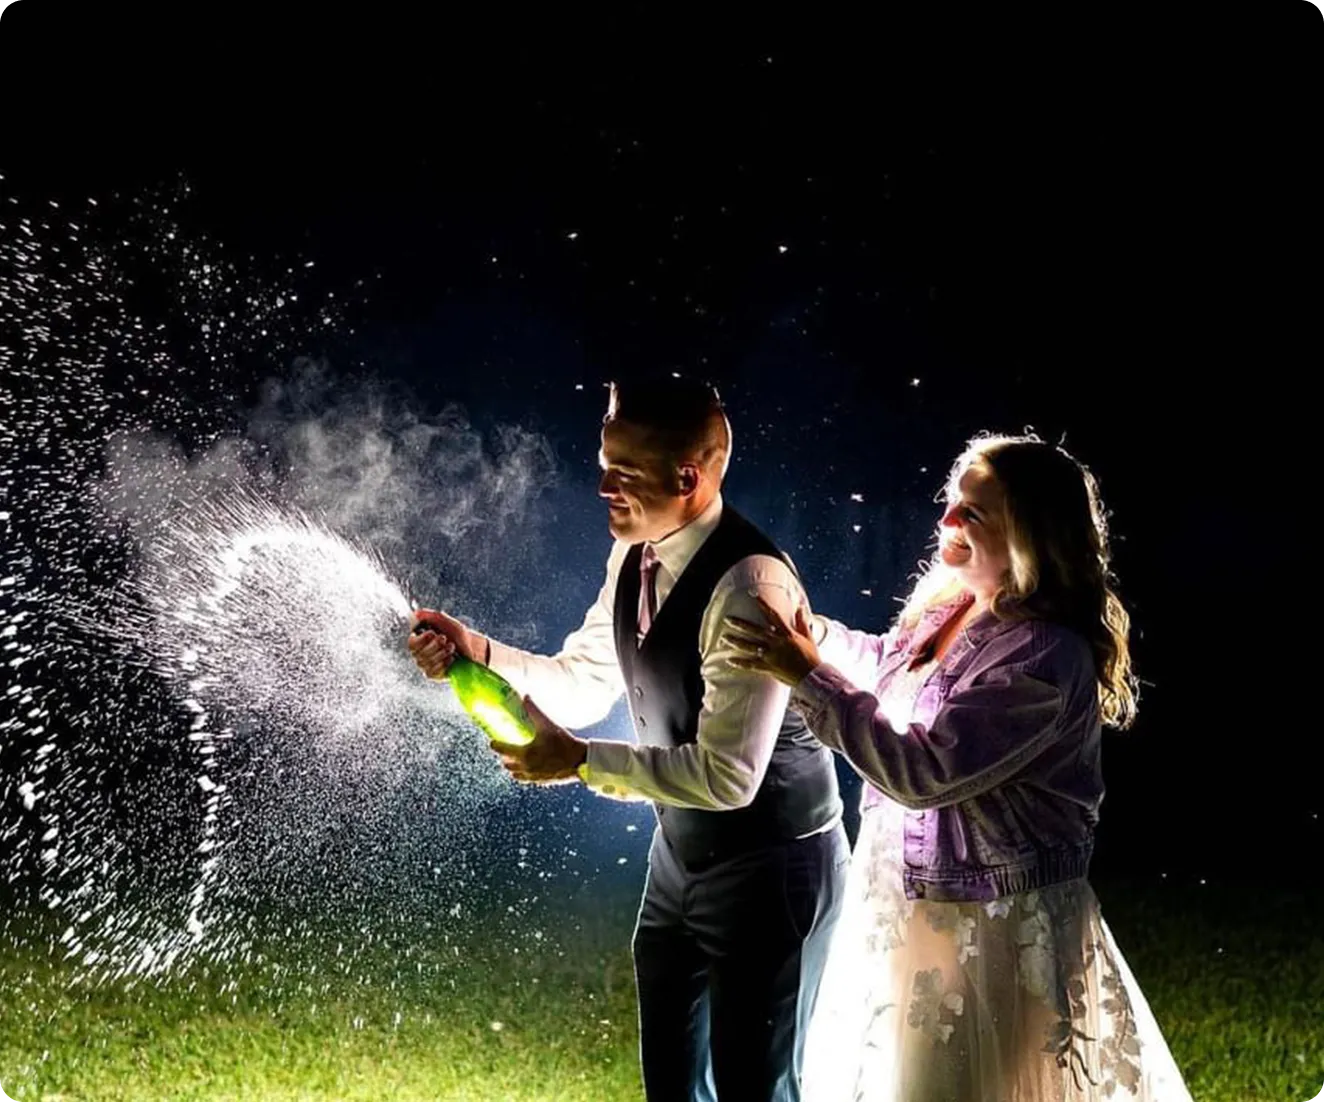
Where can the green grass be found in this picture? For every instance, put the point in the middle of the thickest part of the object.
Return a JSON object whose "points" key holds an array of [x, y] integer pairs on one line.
{"points": [[1235, 977], [1246, 1024], [428, 1023], [556, 1042]]}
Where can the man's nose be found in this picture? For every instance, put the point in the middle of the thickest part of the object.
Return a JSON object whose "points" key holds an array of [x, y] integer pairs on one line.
{"points": [[606, 485]]}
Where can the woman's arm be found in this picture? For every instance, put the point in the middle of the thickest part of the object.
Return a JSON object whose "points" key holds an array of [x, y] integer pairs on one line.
{"points": [[857, 654], [999, 717]]}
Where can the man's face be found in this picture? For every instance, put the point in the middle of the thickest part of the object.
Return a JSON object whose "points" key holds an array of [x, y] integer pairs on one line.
{"points": [[645, 492]]}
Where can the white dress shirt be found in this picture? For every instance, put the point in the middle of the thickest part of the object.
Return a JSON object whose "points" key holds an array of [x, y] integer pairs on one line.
{"points": [[742, 711]]}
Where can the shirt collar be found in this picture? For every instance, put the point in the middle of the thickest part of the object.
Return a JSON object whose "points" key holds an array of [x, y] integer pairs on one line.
{"points": [[675, 551]]}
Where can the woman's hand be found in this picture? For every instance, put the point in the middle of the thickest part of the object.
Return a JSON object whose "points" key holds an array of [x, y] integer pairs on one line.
{"points": [[787, 651]]}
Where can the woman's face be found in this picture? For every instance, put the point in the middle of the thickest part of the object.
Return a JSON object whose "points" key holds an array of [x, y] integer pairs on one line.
{"points": [[973, 542]]}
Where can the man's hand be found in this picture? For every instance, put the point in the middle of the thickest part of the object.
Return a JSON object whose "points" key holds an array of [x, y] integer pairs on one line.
{"points": [[553, 757], [434, 649]]}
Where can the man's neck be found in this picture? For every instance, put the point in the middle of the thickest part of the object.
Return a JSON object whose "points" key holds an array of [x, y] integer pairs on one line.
{"points": [[693, 513]]}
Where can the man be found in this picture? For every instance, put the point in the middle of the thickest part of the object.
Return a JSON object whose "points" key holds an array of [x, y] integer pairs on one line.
{"points": [[747, 864]]}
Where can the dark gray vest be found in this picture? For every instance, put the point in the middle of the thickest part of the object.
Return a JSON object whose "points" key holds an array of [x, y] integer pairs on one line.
{"points": [[664, 684]]}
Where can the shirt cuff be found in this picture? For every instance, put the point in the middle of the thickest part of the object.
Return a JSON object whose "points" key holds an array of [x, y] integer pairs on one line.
{"points": [[814, 695], [605, 768], [501, 658]]}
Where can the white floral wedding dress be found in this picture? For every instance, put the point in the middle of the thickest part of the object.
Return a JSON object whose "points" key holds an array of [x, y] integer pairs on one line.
{"points": [[1022, 999]]}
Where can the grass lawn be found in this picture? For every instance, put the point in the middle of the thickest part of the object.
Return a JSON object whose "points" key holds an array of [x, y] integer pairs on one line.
{"points": [[1235, 977], [1237, 984]]}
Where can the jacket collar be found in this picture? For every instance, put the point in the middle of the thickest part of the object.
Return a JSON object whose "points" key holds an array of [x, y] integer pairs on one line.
{"points": [[982, 627]]}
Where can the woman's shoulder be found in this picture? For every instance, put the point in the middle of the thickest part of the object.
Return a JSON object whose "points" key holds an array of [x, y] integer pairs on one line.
{"points": [[1045, 648]]}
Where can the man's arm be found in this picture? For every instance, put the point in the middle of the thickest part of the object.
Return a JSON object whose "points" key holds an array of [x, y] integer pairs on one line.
{"points": [[741, 716], [577, 686]]}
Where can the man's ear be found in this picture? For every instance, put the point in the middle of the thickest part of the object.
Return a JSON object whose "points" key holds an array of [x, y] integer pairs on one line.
{"points": [[688, 477]]}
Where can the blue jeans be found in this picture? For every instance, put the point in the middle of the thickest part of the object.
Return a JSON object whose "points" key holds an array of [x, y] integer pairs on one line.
{"points": [[727, 961]]}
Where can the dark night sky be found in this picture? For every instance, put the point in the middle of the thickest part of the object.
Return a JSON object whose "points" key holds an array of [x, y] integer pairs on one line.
{"points": [[1108, 231]]}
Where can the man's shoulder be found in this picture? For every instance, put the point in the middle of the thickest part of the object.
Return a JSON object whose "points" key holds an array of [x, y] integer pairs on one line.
{"points": [[758, 569]]}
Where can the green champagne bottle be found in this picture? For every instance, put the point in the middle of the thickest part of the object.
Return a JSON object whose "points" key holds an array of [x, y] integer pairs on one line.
{"points": [[492, 702]]}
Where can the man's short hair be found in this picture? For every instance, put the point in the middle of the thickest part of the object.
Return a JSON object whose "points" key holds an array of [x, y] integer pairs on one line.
{"points": [[685, 419]]}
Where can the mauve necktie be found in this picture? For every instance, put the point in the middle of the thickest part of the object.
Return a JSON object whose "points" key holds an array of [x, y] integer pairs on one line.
{"points": [[648, 564]]}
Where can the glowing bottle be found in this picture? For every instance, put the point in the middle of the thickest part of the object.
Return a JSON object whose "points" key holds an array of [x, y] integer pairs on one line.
{"points": [[492, 702]]}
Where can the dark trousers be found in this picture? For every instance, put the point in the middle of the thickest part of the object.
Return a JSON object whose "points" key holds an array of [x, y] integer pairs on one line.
{"points": [[728, 961]]}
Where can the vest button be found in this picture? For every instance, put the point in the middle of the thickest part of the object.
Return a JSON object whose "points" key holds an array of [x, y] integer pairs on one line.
{"points": [[642, 722], [639, 691]]}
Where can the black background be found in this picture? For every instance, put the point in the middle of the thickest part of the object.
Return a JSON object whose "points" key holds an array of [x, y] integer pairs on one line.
{"points": [[1104, 225]]}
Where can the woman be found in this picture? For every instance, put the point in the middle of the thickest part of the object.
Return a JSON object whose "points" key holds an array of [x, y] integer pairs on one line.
{"points": [[972, 963]]}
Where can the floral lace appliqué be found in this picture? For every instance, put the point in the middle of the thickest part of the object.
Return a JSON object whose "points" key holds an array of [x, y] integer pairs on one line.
{"points": [[932, 1009], [1121, 1048], [954, 920], [1045, 922], [1035, 947]]}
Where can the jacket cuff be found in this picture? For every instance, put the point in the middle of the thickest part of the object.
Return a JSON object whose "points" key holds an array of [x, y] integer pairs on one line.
{"points": [[815, 695]]}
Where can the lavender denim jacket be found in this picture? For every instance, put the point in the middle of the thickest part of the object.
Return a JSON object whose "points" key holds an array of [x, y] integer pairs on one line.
{"points": [[1000, 771]]}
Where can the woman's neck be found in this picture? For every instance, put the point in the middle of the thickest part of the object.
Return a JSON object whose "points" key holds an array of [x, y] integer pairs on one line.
{"points": [[982, 602]]}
